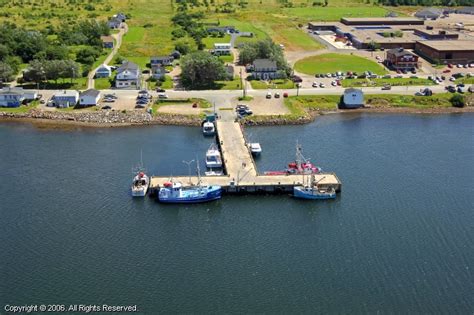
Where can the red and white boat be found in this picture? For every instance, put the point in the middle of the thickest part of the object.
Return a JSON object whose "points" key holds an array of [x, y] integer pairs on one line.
{"points": [[299, 166]]}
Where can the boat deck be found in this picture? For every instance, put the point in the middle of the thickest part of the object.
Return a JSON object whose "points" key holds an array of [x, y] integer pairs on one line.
{"points": [[242, 173]]}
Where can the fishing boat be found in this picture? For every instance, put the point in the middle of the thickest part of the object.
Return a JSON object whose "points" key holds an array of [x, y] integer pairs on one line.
{"points": [[301, 165], [255, 148], [213, 157], [175, 192], [140, 185], [313, 191], [208, 128], [140, 181]]}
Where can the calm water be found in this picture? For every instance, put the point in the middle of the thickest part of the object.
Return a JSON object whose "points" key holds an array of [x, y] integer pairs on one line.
{"points": [[398, 239]]}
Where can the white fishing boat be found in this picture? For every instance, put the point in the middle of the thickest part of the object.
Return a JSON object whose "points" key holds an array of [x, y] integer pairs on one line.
{"points": [[213, 157], [140, 185], [140, 181], [255, 148], [208, 128]]}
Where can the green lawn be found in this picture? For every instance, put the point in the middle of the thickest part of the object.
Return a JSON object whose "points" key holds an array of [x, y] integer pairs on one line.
{"points": [[275, 84], [21, 109], [77, 84], [333, 62], [167, 84], [382, 82], [227, 58], [467, 80], [102, 83], [210, 41], [228, 85], [298, 104]]}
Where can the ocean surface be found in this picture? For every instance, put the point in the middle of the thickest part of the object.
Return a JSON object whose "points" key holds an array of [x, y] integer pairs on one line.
{"points": [[398, 239]]}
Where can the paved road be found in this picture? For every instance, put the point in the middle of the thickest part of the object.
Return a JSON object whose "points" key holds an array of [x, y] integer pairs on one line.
{"points": [[118, 42]]}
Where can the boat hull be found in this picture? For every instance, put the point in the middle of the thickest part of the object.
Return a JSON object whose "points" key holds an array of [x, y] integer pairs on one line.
{"points": [[139, 192], [189, 196], [302, 193]]}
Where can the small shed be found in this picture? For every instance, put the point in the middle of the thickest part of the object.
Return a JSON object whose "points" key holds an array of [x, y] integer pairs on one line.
{"points": [[353, 98], [89, 97]]}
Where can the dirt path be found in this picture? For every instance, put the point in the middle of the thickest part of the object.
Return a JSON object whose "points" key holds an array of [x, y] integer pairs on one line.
{"points": [[118, 42]]}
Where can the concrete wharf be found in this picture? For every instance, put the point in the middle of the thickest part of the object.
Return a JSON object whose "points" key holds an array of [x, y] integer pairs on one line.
{"points": [[242, 175]]}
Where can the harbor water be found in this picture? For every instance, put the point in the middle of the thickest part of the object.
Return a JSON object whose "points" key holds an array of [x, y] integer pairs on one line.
{"points": [[398, 239]]}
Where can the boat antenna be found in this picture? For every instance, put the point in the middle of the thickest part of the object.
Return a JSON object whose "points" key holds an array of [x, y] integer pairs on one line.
{"points": [[199, 172]]}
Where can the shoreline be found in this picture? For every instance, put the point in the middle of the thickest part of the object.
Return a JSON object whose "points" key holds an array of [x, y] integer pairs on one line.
{"points": [[136, 119]]}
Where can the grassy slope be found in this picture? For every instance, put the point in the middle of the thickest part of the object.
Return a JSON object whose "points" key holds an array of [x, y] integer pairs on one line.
{"points": [[382, 82], [337, 62]]}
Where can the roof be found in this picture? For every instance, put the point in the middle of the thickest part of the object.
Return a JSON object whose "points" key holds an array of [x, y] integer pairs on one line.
{"points": [[221, 44], [352, 90], [91, 92], [449, 45], [380, 19], [128, 65], [264, 63], [161, 58], [107, 39], [428, 12], [399, 52], [104, 66], [12, 91], [469, 10], [66, 93]]}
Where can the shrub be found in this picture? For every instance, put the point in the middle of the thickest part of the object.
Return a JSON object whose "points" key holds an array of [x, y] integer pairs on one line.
{"points": [[458, 100]]}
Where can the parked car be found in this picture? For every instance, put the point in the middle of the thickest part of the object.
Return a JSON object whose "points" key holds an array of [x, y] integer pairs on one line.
{"points": [[241, 106], [459, 65], [321, 85], [450, 66], [108, 100], [451, 88], [158, 89], [446, 71], [333, 83], [269, 95], [162, 95], [110, 96], [277, 95], [285, 94], [315, 84], [460, 89], [296, 78], [471, 89], [387, 87], [106, 107]]}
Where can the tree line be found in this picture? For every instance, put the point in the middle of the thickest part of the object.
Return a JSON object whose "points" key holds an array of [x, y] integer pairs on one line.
{"points": [[19, 45]]}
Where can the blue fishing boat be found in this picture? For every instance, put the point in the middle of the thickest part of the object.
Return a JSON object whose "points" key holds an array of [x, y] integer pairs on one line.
{"points": [[174, 192], [313, 191]]}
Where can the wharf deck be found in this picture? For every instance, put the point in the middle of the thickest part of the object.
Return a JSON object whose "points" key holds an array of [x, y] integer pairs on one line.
{"points": [[242, 175]]}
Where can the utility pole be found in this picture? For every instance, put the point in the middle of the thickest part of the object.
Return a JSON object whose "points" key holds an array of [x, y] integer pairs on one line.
{"points": [[242, 83], [297, 89]]}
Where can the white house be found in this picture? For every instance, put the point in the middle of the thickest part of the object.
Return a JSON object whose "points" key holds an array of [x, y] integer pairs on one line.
{"points": [[89, 97], [103, 71], [353, 98], [128, 76], [67, 98], [222, 48]]}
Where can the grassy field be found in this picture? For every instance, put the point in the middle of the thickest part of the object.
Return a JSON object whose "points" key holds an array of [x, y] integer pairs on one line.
{"points": [[335, 13], [275, 84], [337, 62], [330, 102], [469, 80], [77, 84], [102, 83], [382, 82], [227, 58]]}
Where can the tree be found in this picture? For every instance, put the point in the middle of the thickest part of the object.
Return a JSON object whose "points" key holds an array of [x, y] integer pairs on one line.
{"points": [[264, 49], [183, 48], [458, 100], [201, 69], [6, 72], [87, 55], [373, 45], [35, 72]]}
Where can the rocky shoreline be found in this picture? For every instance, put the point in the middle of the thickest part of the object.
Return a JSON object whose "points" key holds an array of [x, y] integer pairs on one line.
{"points": [[106, 119], [101, 118]]}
